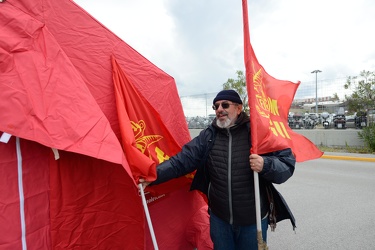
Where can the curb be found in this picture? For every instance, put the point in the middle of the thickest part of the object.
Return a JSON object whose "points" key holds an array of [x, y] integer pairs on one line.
{"points": [[348, 158]]}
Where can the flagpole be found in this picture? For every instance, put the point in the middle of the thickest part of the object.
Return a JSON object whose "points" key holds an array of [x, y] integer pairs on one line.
{"points": [[261, 244], [148, 217], [250, 89]]}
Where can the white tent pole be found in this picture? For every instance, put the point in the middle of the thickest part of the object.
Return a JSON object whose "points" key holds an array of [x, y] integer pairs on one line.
{"points": [[21, 194], [148, 217]]}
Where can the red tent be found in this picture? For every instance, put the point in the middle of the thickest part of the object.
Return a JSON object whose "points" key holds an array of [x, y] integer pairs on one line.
{"points": [[64, 179]]}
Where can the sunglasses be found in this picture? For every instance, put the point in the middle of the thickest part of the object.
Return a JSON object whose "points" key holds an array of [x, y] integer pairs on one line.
{"points": [[225, 105]]}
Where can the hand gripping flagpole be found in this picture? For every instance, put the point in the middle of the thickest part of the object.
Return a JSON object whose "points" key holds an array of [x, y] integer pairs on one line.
{"points": [[144, 202]]}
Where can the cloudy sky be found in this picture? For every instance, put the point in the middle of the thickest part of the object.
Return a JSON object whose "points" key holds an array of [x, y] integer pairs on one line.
{"points": [[200, 42]]}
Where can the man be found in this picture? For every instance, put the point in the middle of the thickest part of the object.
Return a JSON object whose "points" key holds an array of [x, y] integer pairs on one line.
{"points": [[221, 156]]}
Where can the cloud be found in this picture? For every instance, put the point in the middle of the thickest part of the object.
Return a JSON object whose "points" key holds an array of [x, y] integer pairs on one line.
{"points": [[200, 43]]}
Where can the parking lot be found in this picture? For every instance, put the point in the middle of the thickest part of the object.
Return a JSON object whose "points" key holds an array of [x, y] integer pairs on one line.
{"points": [[332, 201]]}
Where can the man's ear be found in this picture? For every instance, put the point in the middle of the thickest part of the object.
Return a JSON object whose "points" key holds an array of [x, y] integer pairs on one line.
{"points": [[239, 109]]}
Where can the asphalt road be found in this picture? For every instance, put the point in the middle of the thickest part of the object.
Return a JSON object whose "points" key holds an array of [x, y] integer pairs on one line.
{"points": [[333, 202]]}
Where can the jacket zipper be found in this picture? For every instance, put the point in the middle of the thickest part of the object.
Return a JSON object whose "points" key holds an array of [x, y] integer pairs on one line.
{"points": [[230, 178]]}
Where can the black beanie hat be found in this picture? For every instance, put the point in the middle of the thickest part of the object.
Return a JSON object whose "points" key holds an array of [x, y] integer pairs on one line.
{"points": [[229, 95]]}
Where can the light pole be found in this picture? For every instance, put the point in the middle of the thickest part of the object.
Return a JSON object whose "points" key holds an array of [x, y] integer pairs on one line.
{"points": [[316, 89]]}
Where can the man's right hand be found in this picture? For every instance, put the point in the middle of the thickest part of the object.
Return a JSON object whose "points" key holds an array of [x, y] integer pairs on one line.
{"points": [[144, 183]]}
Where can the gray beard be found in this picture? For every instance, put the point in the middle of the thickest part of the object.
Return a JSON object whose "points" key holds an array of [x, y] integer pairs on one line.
{"points": [[224, 124]]}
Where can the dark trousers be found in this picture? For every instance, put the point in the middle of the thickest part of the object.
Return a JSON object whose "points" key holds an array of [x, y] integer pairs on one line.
{"points": [[230, 237]]}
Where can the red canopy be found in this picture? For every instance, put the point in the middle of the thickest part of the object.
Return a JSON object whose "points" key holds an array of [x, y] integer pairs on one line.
{"points": [[56, 91]]}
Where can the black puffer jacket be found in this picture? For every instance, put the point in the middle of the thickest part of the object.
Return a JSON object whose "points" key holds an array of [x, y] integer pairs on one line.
{"points": [[203, 154]]}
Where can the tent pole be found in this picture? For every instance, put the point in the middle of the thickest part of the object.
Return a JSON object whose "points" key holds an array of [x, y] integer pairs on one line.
{"points": [[21, 194]]}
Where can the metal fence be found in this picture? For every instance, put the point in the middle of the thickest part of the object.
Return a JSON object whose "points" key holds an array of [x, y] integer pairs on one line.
{"points": [[200, 105]]}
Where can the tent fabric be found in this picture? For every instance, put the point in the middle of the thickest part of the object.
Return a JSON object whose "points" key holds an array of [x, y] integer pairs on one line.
{"points": [[94, 204], [38, 103], [71, 41], [88, 45], [191, 216], [56, 91], [35, 176]]}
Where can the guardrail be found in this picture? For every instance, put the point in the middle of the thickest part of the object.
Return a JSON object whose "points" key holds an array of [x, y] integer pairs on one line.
{"points": [[323, 137]]}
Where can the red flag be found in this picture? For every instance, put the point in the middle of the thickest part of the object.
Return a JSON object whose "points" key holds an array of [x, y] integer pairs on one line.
{"points": [[145, 139], [147, 142], [269, 101]]}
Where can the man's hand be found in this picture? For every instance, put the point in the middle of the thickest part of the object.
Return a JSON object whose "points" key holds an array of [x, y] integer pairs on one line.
{"points": [[256, 162], [144, 183]]}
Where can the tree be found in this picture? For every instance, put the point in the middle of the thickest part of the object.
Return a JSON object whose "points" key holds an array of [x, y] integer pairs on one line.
{"points": [[240, 86], [335, 97], [363, 95], [363, 99]]}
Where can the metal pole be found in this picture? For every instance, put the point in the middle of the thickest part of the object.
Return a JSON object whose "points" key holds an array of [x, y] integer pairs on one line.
{"points": [[316, 93], [205, 96], [144, 202], [316, 89], [262, 245]]}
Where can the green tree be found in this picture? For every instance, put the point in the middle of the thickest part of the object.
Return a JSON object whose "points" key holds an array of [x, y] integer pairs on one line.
{"points": [[335, 97], [363, 95], [361, 100], [239, 85]]}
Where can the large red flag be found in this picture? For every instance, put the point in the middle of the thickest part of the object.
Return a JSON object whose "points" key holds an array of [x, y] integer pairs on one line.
{"points": [[145, 139], [147, 142], [269, 101]]}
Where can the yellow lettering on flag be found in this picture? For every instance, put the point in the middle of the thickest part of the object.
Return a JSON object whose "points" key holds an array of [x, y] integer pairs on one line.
{"points": [[278, 129], [161, 155], [273, 107]]}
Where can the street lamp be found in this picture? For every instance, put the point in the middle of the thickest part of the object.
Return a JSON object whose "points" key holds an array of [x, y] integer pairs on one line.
{"points": [[316, 89]]}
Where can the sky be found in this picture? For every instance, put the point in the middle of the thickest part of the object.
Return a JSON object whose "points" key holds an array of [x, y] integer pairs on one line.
{"points": [[200, 42]]}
